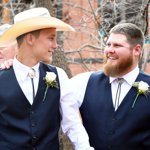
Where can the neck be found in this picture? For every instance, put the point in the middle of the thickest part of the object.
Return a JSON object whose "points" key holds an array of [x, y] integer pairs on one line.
{"points": [[26, 58]]}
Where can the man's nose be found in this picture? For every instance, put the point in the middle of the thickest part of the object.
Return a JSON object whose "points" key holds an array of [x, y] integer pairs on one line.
{"points": [[109, 49], [54, 45]]}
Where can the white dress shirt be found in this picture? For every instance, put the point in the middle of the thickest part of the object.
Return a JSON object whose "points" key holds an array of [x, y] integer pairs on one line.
{"points": [[129, 79], [21, 72], [77, 86]]}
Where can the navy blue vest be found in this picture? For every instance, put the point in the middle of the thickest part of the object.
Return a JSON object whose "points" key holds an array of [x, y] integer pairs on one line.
{"points": [[125, 129], [24, 126]]}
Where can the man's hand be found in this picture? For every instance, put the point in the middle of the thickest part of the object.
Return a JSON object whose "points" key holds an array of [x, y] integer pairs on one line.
{"points": [[6, 64]]}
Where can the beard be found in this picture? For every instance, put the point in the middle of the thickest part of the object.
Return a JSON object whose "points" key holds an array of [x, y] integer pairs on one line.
{"points": [[119, 68]]}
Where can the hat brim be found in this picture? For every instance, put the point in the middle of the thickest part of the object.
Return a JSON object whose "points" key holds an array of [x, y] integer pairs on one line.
{"points": [[33, 24]]}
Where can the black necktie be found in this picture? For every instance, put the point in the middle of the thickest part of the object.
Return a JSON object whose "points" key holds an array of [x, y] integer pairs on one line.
{"points": [[120, 81], [32, 75]]}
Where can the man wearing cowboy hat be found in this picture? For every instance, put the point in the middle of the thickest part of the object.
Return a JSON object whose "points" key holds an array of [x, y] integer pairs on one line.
{"points": [[29, 111]]}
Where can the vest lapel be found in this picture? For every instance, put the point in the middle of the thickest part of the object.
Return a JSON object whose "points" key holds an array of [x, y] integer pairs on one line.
{"points": [[13, 81], [41, 86]]}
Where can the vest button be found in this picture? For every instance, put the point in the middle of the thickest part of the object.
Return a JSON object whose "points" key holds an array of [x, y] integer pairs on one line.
{"points": [[33, 124], [114, 119], [32, 112], [34, 138]]}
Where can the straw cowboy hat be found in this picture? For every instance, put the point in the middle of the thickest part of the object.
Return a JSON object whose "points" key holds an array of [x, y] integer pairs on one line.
{"points": [[31, 20], [4, 28]]}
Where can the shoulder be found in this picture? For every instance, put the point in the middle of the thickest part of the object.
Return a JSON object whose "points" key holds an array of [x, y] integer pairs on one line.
{"points": [[6, 71], [144, 76], [61, 73], [99, 73], [49, 66], [7, 74], [98, 76], [87, 75], [80, 79], [81, 76], [60, 70]]}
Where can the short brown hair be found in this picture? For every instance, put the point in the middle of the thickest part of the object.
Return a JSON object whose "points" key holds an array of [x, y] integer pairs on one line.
{"points": [[132, 32], [21, 37]]}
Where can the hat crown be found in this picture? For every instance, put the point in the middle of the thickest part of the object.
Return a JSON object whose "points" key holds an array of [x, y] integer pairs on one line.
{"points": [[32, 20], [31, 13], [3, 28]]}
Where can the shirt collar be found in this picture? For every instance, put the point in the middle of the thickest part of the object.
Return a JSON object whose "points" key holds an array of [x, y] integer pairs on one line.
{"points": [[22, 70], [129, 77]]}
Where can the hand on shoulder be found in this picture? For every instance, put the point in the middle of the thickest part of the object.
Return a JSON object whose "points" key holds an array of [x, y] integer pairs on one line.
{"points": [[6, 64]]}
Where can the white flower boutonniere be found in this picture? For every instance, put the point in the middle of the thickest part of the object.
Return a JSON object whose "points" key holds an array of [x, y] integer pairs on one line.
{"points": [[142, 88], [50, 80]]}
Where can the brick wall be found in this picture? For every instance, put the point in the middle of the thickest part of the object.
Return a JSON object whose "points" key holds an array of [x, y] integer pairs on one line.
{"points": [[79, 15]]}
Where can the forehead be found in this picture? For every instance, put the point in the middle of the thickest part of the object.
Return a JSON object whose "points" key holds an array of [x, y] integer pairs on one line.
{"points": [[49, 31], [117, 38]]}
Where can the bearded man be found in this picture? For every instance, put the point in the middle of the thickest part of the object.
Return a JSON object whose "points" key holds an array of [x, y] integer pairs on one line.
{"points": [[114, 107]]}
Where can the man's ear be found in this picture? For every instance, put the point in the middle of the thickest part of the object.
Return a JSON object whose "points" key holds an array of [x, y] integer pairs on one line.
{"points": [[137, 50], [30, 39]]}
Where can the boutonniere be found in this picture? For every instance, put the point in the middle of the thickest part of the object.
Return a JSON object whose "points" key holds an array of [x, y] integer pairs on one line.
{"points": [[142, 88], [50, 80]]}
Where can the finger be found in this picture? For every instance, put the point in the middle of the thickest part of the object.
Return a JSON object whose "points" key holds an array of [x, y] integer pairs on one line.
{"points": [[8, 63], [3, 66]]}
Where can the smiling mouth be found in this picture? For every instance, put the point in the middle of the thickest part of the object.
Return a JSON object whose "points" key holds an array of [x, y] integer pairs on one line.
{"points": [[111, 58]]}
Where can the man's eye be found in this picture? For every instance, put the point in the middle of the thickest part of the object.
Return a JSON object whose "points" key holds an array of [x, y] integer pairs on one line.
{"points": [[118, 45], [108, 44]]}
